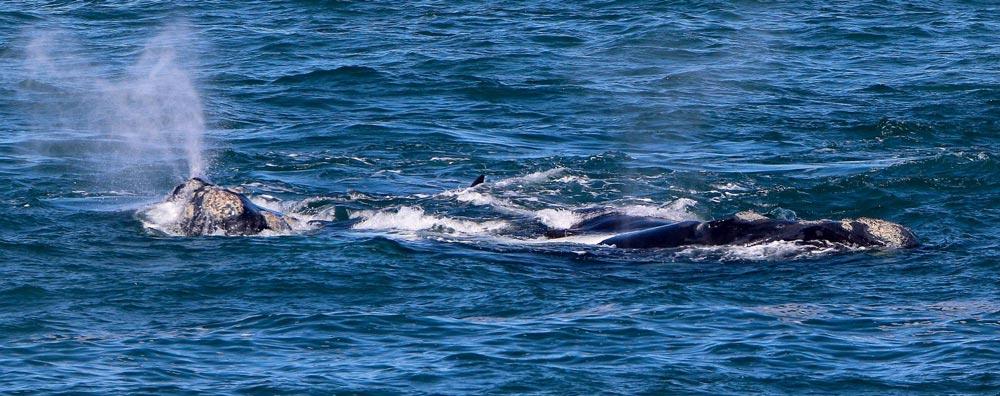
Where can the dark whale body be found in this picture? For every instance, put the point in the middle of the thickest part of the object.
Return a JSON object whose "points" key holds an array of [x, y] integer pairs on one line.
{"points": [[745, 228]]}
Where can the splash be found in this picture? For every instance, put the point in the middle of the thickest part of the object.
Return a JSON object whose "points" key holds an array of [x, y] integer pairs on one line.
{"points": [[138, 124], [531, 178], [764, 251], [560, 217], [408, 218], [163, 218]]}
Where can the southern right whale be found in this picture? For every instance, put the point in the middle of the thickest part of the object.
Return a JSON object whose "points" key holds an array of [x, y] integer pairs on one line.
{"points": [[744, 228], [206, 209]]}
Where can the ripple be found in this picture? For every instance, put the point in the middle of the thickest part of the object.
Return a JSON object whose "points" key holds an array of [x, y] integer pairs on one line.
{"points": [[342, 73]]}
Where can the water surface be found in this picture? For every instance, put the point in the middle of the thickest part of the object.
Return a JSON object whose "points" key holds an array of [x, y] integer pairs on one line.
{"points": [[385, 111]]}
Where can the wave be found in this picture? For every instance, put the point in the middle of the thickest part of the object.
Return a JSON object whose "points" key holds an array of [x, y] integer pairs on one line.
{"points": [[340, 73]]}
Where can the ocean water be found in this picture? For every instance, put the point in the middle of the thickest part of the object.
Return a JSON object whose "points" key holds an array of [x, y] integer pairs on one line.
{"points": [[373, 117]]}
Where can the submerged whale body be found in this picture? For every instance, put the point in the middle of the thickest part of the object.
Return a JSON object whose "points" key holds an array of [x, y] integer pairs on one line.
{"points": [[207, 209], [745, 228]]}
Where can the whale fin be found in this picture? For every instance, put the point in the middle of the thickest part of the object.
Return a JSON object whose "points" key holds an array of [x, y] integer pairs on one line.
{"points": [[479, 180]]}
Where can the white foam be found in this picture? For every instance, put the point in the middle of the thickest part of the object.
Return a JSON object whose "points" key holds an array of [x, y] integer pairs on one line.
{"points": [[554, 218], [678, 209], [412, 218], [531, 178], [584, 180], [475, 197], [267, 187], [558, 218], [768, 251], [449, 160], [291, 212], [729, 187], [561, 218], [162, 217], [268, 202]]}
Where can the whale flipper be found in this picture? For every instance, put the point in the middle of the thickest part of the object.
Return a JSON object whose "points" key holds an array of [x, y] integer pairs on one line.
{"points": [[609, 223], [664, 236], [479, 180]]}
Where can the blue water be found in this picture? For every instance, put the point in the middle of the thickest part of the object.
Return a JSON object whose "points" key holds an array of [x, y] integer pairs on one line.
{"points": [[379, 113]]}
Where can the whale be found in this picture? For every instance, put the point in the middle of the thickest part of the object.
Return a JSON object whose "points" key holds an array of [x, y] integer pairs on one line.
{"points": [[207, 209], [743, 228]]}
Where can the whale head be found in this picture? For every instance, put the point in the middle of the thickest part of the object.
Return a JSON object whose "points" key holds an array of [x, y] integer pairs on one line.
{"points": [[207, 209], [881, 232], [187, 188]]}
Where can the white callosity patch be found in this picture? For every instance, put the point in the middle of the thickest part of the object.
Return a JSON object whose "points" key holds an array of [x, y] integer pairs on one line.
{"points": [[750, 216], [891, 234]]}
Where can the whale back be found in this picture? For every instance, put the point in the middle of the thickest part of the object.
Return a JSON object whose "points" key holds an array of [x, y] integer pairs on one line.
{"points": [[749, 228]]}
